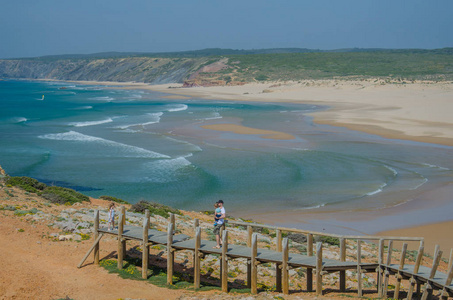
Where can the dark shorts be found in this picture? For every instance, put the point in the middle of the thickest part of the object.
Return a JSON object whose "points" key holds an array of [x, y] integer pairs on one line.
{"points": [[217, 229]]}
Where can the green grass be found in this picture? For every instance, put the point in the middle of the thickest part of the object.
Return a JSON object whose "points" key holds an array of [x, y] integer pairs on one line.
{"points": [[407, 64], [156, 276], [61, 195], [26, 183], [114, 199], [154, 208]]}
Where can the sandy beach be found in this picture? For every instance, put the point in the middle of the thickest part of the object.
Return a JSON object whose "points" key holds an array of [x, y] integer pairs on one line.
{"points": [[416, 111], [419, 111]]}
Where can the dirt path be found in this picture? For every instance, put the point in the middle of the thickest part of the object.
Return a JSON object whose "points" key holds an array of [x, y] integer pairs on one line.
{"points": [[37, 268]]}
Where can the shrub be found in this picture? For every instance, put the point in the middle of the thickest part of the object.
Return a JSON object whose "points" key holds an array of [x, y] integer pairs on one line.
{"points": [[329, 240], [26, 183], [117, 200], [61, 195], [154, 208], [261, 77]]}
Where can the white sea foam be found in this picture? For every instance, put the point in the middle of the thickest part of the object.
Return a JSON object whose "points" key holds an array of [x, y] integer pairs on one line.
{"points": [[215, 115], [154, 118], [106, 98], [164, 170], [178, 107], [395, 172], [192, 147], [314, 207], [434, 166], [123, 149], [19, 120], [425, 180], [377, 191], [84, 107], [90, 123]]}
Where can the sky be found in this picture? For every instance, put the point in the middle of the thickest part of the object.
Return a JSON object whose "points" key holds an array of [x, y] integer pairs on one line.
{"points": [[30, 28]]}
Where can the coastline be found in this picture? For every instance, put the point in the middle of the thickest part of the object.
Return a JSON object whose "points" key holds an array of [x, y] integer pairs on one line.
{"points": [[358, 105], [418, 111]]}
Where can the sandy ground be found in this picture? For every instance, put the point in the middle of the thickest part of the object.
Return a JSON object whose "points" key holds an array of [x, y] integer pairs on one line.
{"points": [[418, 111]]}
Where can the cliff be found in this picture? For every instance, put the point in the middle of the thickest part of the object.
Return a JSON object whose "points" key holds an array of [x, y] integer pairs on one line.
{"points": [[138, 69]]}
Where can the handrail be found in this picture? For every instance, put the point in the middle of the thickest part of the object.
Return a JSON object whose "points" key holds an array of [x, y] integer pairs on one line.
{"points": [[296, 230]]}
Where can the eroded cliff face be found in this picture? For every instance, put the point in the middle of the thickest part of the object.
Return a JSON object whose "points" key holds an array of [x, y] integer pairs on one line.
{"points": [[138, 69]]}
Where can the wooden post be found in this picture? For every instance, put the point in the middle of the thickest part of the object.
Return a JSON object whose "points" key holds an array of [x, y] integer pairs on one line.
{"points": [[170, 254], [342, 258], [120, 241], [359, 268], [96, 235], [254, 265], [310, 270], [123, 220], [387, 274], [400, 269], [319, 269], [96, 242], [173, 221], [444, 294], [285, 271], [450, 260], [278, 271], [145, 250], [380, 272], [249, 264], [224, 261], [196, 263], [416, 268], [428, 288]]}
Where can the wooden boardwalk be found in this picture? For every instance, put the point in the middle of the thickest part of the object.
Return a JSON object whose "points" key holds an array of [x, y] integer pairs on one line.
{"points": [[417, 274]]}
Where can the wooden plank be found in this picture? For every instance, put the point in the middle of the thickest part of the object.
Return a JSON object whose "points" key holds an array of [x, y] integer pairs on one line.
{"points": [[278, 270], [412, 281], [196, 223], [170, 254], [359, 270], [342, 259], [310, 270], [123, 220], [224, 262], [173, 221], [96, 235], [120, 242], [285, 270], [398, 275], [197, 264], [444, 294], [319, 268], [145, 246], [380, 274], [387, 274], [249, 264], [428, 287], [91, 249], [253, 262]]}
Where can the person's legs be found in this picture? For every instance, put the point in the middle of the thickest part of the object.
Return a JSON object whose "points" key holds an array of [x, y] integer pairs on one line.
{"points": [[216, 231]]}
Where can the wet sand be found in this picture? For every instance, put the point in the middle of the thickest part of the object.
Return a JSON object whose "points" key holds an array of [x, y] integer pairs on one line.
{"points": [[239, 129], [419, 111]]}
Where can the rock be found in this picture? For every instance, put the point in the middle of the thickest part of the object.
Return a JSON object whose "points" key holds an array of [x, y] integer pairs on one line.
{"points": [[63, 238]]}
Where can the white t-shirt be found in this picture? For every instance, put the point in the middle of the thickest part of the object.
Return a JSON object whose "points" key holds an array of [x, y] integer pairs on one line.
{"points": [[220, 221]]}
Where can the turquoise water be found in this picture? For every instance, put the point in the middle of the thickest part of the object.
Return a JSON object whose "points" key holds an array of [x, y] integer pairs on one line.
{"points": [[140, 145]]}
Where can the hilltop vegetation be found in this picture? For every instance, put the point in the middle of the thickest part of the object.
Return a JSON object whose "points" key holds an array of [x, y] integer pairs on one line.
{"points": [[239, 66]]}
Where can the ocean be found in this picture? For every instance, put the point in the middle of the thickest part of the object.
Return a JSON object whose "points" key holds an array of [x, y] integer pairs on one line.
{"points": [[140, 145]]}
